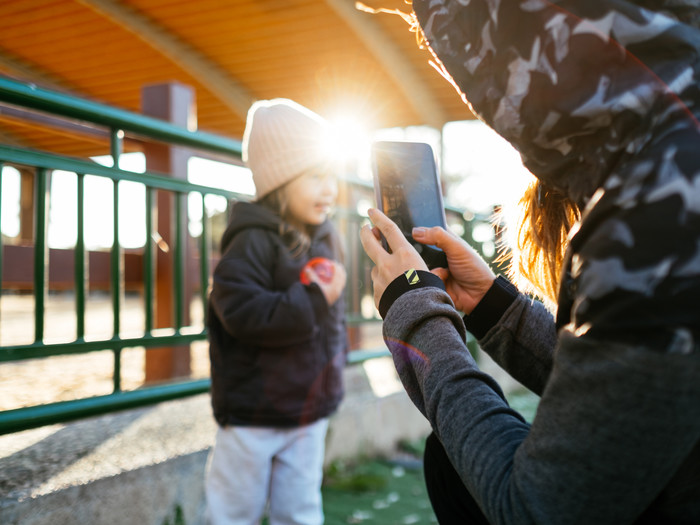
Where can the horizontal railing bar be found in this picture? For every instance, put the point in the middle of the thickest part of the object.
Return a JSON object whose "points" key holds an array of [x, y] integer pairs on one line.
{"points": [[38, 159], [360, 356], [64, 411], [36, 416], [36, 350], [31, 96], [358, 319], [89, 129]]}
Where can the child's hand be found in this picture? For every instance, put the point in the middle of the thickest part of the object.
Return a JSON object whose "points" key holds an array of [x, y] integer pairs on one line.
{"points": [[321, 266], [330, 276]]}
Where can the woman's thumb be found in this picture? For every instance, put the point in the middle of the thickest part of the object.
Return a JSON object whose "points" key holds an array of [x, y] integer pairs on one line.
{"points": [[442, 273], [436, 236]]}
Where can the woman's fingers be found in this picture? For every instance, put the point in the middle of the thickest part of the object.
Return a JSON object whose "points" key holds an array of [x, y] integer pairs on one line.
{"points": [[371, 237], [388, 265], [394, 238], [371, 243]]}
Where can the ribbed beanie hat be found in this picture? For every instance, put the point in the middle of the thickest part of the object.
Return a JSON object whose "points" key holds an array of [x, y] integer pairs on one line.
{"points": [[282, 140]]}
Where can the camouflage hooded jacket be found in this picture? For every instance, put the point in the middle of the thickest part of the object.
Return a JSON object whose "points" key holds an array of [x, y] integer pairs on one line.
{"points": [[602, 99]]}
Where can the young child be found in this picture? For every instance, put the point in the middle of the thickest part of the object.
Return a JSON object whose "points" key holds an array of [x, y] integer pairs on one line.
{"points": [[277, 346]]}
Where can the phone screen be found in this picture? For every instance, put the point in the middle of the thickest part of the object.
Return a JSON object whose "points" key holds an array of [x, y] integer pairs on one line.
{"points": [[408, 191]]}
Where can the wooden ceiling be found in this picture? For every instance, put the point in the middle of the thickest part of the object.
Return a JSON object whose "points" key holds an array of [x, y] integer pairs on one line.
{"points": [[325, 54]]}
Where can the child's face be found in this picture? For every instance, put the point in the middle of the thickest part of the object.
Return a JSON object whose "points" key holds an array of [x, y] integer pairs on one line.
{"points": [[311, 196]]}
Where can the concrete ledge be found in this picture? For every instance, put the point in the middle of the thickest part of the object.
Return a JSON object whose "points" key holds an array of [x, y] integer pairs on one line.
{"points": [[146, 466]]}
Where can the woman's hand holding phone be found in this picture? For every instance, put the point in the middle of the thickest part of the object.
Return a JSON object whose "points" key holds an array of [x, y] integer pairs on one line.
{"points": [[389, 266], [467, 277]]}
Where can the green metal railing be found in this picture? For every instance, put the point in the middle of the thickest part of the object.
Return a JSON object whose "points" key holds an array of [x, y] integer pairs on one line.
{"points": [[119, 124], [32, 97], [43, 163]]}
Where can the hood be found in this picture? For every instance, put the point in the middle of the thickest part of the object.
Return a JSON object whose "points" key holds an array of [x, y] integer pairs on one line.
{"points": [[246, 215], [575, 87]]}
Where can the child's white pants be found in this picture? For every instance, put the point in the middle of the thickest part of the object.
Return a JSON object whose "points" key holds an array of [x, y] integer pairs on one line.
{"points": [[252, 466]]}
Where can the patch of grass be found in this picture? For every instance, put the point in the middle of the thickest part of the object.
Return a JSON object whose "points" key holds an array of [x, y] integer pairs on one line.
{"points": [[415, 448], [376, 491], [361, 477], [391, 492], [178, 518]]}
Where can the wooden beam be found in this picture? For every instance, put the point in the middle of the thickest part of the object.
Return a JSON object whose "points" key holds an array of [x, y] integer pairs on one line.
{"points": [[210, 74], [394, 61], [27, 72], [11, 139], [31, 73], [25, 115]]}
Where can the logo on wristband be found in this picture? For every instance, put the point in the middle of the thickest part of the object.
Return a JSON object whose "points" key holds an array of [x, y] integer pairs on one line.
{"points": [[412, 277]]}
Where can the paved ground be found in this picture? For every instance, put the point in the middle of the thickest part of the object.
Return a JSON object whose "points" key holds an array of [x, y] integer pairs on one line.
{"points": [[69, 377]]}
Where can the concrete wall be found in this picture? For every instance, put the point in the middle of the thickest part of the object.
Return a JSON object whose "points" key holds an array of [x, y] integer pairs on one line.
{"points": [[146, 466]]}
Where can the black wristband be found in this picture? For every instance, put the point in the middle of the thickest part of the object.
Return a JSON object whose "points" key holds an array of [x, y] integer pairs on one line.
{"points": [[410, 280], [491, 307]]}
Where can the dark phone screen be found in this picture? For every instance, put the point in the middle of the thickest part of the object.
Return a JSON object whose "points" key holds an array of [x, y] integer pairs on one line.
{"points": [[408, 192], [408, 187]]}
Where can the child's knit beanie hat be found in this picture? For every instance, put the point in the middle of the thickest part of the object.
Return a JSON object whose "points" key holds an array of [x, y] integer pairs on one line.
{"points": [[282, 140]]}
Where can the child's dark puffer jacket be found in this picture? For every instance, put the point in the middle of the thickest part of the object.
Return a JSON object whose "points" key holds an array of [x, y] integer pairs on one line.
{"points": [[277, 349]]}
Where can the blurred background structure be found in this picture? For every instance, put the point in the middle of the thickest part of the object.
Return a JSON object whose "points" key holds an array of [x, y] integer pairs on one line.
{"points": [[325, 54]]}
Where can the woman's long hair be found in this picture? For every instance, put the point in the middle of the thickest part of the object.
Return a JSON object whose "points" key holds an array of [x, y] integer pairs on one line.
{"points": [[540, 239], [295, 234]]}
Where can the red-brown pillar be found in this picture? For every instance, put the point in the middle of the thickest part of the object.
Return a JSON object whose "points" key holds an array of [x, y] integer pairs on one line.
{"points": [[174, 103], [26, 205]]}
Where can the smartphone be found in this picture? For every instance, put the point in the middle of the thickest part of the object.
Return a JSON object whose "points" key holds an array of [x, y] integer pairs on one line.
{"points": [[407, 190]]}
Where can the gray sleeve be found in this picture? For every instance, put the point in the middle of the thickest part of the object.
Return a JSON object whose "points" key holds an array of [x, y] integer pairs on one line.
{"points": [[610, 416], [522, 342]]}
